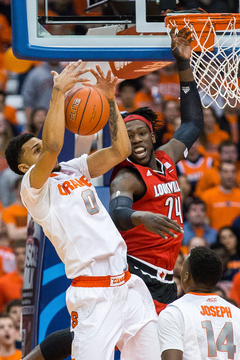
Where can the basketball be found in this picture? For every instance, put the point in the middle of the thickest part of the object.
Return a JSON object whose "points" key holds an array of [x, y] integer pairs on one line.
{"points": [[86, 110]]}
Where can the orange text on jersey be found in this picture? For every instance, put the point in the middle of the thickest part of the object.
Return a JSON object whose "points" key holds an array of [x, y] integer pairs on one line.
{"points": [[68, 186], [216, 311]]}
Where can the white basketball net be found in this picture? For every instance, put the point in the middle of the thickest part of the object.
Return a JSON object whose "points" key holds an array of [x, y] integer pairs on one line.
{"points": [[216, 73]]}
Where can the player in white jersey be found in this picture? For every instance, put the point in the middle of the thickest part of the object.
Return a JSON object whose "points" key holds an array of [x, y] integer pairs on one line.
{"points": [[107, 305], [200, 325]]}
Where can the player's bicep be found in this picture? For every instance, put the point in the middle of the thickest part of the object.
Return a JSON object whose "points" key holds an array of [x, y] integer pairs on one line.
{"points": [[174, 149], [126, 183]]}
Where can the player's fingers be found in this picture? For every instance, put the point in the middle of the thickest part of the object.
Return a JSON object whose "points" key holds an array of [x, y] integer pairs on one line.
{"points": [[167, 231], [172, 224], [109, 75], [182, 31], [81, 72], [173, 31], [97, 76], [100, 72], [160, 233], [187, 34], [84, 80], [115, 81], [54, 73]]}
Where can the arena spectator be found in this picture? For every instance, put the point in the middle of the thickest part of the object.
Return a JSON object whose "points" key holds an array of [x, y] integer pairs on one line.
{"points": [[227, 238], [8, 293], [196, 241], [195, 165], [169, 82], [8, 350], [15, 215], [6, 135], [196, 223], [224, 198], [230, 122], [227, 152], [5, 41], [37, 118], [37, 87], [212, 135], [178, 264], [7, 180], [170, 111], [126, 99], [10, 114], [14, 310], [235, 290], [144, 97], [7, 257], [186, 192]]}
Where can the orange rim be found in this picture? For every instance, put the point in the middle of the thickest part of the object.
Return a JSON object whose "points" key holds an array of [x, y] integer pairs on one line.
{"points": [[216, 19]]}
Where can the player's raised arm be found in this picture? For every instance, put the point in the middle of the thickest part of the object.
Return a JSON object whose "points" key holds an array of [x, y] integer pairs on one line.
{"points": [[103, 160], [44, 153], [190, 103]]}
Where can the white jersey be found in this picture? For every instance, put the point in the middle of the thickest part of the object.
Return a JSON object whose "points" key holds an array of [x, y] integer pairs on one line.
{"points": [[202, 326], [75, 221]]}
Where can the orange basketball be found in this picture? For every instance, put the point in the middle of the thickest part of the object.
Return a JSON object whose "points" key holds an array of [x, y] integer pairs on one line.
{"points": [[86, 110]]}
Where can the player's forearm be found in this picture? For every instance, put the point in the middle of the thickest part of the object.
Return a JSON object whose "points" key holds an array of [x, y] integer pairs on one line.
{"points": [[54, 125], [119, 137]]}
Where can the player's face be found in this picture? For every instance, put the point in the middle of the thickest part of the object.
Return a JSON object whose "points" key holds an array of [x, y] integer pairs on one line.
{"points": [[142, 141], [32, 151], [7, 331]]}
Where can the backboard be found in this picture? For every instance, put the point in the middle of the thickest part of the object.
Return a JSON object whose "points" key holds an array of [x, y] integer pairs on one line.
{"points": [[123, 30]]}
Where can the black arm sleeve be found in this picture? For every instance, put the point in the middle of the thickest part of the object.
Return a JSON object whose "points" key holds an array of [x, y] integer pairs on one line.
{"points": [[120, 210], [191, 114]]}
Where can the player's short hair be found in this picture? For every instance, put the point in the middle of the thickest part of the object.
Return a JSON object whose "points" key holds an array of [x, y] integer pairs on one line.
{"points": [[147, 113], [195, 201], [13, 151], [205, 266]]}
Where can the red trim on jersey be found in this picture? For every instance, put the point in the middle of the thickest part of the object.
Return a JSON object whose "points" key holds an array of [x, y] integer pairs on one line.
{"points": [[53, 175]]}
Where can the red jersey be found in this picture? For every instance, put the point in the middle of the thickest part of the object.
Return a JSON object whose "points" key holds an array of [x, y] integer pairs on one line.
{"points": [[162, 196]]}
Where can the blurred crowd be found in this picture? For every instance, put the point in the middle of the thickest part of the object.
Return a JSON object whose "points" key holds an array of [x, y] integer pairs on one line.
{"points": [[209, 177]]}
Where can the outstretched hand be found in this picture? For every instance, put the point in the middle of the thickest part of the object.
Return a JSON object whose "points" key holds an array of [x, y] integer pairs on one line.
{"points": [[181, 42], [106, 84], [69, 76]]}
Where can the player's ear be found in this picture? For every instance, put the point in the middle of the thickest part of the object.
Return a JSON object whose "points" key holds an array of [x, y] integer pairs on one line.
{"points": [[153, 137], [23, 167]]}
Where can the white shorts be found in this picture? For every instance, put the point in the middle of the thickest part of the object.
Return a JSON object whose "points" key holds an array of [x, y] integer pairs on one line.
{"points": [[105, 317]]}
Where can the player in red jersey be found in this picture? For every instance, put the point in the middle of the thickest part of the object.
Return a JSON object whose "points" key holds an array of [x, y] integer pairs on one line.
{"points": [[157, 226], [145, 193]]}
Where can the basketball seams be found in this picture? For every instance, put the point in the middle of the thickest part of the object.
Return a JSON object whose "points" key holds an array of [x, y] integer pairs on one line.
{"points": [[69, 102], [99, 119], [80, 122]]}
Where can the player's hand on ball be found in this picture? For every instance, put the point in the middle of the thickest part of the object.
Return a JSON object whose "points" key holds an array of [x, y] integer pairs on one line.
{"points": [[105, 84], [69, 76]]}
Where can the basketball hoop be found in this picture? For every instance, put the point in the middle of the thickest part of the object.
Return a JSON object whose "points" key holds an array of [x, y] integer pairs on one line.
{"points": [[215, 54]]}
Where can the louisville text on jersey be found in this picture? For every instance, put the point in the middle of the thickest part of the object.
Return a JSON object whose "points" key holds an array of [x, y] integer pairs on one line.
{"points": [[168, 188]]}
